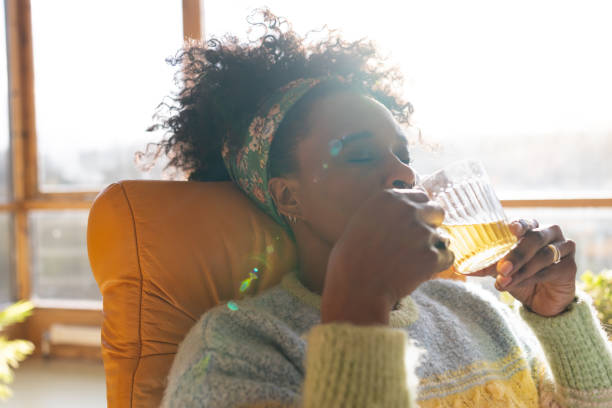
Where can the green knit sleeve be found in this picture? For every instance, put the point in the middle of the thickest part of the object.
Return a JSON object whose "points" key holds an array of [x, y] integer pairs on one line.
{"points": [[578, 353], [359, 366]]}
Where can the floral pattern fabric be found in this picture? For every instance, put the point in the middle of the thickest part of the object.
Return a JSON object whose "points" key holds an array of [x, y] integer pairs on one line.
{"points": [[248, 167]]}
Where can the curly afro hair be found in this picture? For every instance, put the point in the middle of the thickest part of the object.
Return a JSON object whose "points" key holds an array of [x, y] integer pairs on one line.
{"points": [[224, 81]]}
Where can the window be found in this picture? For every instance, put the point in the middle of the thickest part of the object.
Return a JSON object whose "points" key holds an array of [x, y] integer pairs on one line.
{"points": [[590, 227], [58, 250], [532, 103], [87, 134], [84, 80]]}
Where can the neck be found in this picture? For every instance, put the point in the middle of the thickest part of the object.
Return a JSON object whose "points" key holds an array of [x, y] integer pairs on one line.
{"points": [[313, 254]]}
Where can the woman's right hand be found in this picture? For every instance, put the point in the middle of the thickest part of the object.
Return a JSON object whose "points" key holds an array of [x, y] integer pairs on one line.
{"points": [[388, 248]]}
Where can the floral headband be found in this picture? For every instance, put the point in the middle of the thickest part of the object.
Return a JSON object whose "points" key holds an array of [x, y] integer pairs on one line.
{"points": [[248, 167]]}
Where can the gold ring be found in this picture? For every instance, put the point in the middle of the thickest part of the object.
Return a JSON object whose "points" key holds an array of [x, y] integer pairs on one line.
{"points": [[556, 253]]}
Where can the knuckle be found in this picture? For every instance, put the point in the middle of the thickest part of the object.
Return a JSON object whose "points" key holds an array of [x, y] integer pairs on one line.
{"points": [[556, 229], [418, 196], [437, 207], [525, 224], [571, 244], [433, 210]]}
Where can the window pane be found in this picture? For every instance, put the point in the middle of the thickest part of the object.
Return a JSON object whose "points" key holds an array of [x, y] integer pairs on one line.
{"points": [[524, 167], [100, 71], [6, 281], [5, 173], [533, 103], [591, 228], [60, 267]]}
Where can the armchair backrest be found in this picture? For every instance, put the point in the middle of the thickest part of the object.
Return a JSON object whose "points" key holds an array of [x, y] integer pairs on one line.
{"points": [[163, 253]]}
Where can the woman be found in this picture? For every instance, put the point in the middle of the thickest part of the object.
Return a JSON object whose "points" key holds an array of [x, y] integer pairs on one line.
{"points": [[313, 136]]}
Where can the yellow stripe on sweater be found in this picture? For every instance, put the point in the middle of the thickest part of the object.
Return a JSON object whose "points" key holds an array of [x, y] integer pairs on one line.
{"points": [[461, 383], [518, 391], [514, 355]]}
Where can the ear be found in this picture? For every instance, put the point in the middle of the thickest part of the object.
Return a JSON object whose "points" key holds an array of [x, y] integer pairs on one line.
{"points": [[284, 194]]}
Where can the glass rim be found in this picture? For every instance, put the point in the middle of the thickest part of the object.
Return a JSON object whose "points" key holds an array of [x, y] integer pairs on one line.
{"points": [[450, 166]]}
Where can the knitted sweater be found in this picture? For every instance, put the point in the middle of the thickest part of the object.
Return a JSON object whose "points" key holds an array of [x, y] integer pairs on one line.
{"points": [[450, 344]]}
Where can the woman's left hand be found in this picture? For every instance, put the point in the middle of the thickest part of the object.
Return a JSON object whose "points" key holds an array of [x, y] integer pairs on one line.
{"points": [[529, 273]]}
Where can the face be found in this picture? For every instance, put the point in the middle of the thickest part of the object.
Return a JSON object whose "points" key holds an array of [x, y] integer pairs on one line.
{"points": [[354, 149]]}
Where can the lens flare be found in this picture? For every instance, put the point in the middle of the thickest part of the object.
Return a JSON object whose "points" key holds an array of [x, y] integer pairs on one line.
{"points": [[334, 147], [232, 305], [202, 365], [245, 285], [247, 282]]}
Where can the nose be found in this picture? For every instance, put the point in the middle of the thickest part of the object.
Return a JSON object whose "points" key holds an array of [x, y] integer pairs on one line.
{"points": [[400, 184], [401, 176]]}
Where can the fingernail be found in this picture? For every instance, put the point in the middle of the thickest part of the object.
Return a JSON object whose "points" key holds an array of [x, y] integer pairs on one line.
{"points": [[504, 281], [504, 267]]}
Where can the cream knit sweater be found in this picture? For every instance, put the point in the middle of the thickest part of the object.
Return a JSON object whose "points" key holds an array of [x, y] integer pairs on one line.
{"points": [[450, 344]]}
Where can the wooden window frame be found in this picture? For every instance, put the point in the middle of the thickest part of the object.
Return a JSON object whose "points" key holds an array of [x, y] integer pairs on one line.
{"points": [[26, 195]]}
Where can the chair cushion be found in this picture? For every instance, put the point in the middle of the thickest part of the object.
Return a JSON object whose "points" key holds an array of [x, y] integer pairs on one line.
{"points": [[163, 253]]}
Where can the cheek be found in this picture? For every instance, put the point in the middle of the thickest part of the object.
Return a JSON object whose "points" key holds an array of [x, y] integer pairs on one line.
{"points": [[329, 202]]}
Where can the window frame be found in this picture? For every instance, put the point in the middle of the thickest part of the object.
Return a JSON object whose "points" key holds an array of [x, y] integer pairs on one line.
{"points": [[26, 195]]}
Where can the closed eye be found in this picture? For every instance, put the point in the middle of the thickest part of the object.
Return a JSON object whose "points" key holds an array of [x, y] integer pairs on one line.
{"points": [[360, 160], [362, 155]]}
